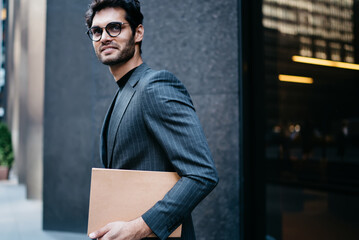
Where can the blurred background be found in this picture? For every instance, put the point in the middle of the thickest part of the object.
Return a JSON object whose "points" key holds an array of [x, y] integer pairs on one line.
{"points": [[275, 85]]}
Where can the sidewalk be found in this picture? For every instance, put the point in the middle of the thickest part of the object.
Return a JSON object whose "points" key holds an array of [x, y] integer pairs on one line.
{"points": [[21, 219]]}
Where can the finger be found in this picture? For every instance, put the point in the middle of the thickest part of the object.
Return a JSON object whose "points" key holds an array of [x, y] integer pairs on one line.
{"points": [[99, 233]]}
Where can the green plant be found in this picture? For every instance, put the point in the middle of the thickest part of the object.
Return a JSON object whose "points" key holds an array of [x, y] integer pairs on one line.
{"points": [[6, 153]]}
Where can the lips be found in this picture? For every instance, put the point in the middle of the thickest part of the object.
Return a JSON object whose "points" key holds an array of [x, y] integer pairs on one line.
{"points": [[107, 48]]}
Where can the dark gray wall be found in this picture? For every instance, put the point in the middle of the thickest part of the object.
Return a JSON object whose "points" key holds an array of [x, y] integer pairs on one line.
{"points": [[198, 42], [75, 102]]}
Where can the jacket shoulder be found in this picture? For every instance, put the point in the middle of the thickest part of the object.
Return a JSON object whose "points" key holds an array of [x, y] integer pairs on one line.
{"points": [[158, 75], [158, 79]]}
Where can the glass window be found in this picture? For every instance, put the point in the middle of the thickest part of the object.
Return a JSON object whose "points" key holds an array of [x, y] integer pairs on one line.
{"points": [[3, 15], [312, 119]]}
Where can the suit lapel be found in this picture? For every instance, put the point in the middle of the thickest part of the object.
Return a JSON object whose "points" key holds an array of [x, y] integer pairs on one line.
{"points": [[104, 130], [120, 107]]}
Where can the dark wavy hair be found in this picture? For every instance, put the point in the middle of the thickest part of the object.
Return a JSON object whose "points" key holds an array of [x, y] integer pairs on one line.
{"points": [[131, 7]]}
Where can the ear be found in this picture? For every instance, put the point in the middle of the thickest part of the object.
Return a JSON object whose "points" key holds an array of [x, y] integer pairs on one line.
{"points": [[139, 33]]}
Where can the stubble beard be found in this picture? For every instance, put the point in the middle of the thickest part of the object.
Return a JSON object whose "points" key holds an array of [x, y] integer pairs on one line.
{"points": [[122, 56]]}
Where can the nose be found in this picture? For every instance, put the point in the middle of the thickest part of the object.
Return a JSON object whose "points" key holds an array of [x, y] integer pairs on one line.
{"points": [[105, 36]]}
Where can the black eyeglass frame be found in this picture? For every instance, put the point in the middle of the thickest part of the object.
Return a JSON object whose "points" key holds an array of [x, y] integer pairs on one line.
{"points": [[90, 34]]}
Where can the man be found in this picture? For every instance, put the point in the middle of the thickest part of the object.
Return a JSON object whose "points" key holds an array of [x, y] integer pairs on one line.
{"points": [[150, 125]]}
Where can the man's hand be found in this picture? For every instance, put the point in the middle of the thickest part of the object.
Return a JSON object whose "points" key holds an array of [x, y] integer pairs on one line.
{"points": [[134, 230]]}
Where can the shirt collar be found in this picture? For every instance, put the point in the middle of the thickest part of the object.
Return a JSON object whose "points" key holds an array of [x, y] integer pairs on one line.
{"points": [[122, 81]]}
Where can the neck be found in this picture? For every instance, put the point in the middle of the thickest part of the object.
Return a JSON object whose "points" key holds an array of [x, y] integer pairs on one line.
{"points": [[120, 70]]}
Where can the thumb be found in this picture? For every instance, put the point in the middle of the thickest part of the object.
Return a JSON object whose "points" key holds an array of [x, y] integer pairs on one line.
{"points": [[99, 233]]}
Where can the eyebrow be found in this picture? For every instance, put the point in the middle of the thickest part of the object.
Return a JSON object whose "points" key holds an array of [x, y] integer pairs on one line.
{"points": [[108, 23], [96, 26]]}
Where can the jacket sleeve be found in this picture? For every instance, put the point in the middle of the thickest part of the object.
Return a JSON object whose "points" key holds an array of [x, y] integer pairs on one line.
{"points": [[170, 116]]}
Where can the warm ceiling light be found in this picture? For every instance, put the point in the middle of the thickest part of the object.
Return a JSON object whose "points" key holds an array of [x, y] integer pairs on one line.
{"points": [[295, 79], [3, 14], [327, 63]]}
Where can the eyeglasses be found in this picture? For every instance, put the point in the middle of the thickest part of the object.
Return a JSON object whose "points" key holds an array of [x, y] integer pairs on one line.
{"points": [[113, 29]]}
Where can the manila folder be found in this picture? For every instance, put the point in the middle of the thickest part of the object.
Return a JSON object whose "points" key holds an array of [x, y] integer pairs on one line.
{"points": [[124, 195]]}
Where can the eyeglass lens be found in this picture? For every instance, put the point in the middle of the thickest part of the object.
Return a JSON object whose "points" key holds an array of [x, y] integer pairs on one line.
{"points": [[113, 29]]}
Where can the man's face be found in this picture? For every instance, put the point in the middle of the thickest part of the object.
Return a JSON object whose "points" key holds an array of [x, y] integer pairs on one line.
{"points": [[113, 50]]}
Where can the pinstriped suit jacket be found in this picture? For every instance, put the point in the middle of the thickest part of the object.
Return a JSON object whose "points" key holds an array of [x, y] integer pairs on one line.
{"points": [[156, 128]]}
